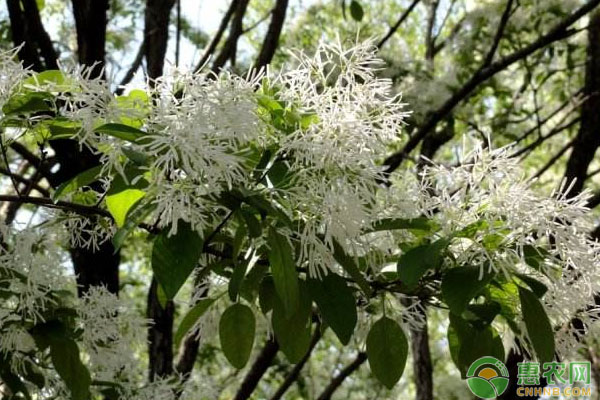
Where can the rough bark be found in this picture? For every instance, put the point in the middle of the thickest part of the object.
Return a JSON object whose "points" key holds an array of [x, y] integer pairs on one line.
{"points": [[160, 331], [160, 335], [588, 138], [90, 23], [156, 34], [229, 50], [271, 41], [258, 369]]}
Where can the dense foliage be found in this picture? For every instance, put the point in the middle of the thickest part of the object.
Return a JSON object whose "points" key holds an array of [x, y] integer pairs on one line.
{"points": [[281, 211]]}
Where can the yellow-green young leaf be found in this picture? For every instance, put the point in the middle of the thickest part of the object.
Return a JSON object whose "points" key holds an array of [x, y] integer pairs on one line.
{"points": [[65, 358], [293, 332], [336, 303], [283, 269], [119, 204], [190, 318], [538, 325], [387, 349], [460, 285], [175, 257], [83, 179], [236, 333]]}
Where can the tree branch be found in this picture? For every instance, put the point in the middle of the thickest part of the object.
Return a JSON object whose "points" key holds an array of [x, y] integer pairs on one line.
{"points": [[339, 379], [22, 179], [269, 45], [229, 50], [139, 57], [499, 33], [258, 369], [558, 32], [217, 38], [395, 27], [295, 372]]}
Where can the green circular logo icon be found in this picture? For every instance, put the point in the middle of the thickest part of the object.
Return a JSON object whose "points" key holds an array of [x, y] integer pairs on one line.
{"points": [[487, 377]]}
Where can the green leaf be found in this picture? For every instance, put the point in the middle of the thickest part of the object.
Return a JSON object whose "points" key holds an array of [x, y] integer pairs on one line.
{"points": [[121, 131], [387, 349], [252, 223], [468, 343], [28, 103], [417, 261], [538, 325], [293, 332], [356, 10], [236, 332], [134, 218], [388, 224], [534, 256], [348, 264], [266, 294], [191, 317], [536, 286], [239, 271], [122, 197], [83, 179], [283, 269], [460, 285], [65, 358], [336, 303], [175, 257]]}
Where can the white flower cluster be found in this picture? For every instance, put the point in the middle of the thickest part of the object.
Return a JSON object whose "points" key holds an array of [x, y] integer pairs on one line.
{"points": [[488, 194], [334, 160]]}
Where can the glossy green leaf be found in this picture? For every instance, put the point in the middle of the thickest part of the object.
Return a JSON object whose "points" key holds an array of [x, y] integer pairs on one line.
{"points": [[336, 303], [538, 325], [239, 272], [236, 333], [175, 257], [28, 103], [266, 294], [283, 269], [121, 131], [468, 343], [65, 358], [119, 204], [190, 319], [293, 331], [387, 350], [417, 261], [83, 179], [461, 284], [536, 286], [349, 265]]}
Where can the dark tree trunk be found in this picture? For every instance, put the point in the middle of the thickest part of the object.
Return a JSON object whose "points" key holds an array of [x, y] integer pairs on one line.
{"points": [[588, 138], [160, 332], [90, 22], [271, 41], [156, 34], [23, 36], [160, 335], [229, 50]]}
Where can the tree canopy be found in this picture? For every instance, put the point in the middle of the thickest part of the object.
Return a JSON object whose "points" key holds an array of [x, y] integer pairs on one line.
{"points": [[295, 200]]}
